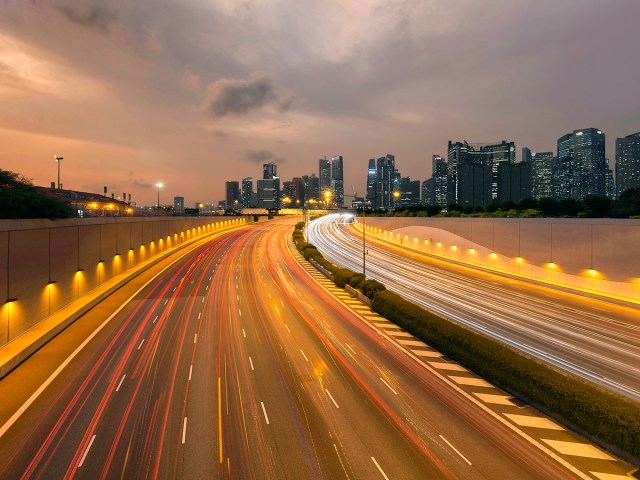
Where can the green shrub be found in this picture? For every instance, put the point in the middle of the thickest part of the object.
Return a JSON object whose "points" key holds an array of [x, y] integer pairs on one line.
{"points": [[601, 414], [356, 280], [299, 225], [371, 287], [342, 276]]}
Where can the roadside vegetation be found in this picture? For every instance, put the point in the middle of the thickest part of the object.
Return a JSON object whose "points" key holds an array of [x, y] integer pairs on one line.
{"points": [[612, 420], [20, 199], [626, 206]]}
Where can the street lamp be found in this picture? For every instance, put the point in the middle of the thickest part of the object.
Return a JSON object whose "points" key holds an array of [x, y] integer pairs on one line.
{"points": [[58, 159], [327, 197], [159, 185]]}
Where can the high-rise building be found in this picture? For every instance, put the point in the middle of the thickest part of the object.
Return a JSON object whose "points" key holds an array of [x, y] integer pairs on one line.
{"points": [[609, 182], [471, 179], [311, 187], [580, 168], [438, 196], [514, 182], [246, 200], [385, 171], [178, 204], [294, 191], [232, 196], [541, 172], [337, 180], [324, 173], [409, 192], [628, 162], [371, 183], [269, 193], [269, 170]]}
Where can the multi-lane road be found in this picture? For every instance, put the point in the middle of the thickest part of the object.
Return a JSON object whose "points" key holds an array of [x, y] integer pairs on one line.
{"points": [[595, 338], [235, 360]]}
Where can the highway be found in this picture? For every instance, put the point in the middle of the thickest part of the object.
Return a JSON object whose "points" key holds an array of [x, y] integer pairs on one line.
{"points": [[237, 361], [593, 338]]}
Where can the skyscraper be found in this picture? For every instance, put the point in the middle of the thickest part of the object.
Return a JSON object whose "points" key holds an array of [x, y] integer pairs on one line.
{"points": [[438, 196], [514, 182], [371, 183], [324, 173], [269, 193], [269, 170], [385, 172], [541, 174], [337, 180], [470, 176], [628, 162], [232, 194], [580, 168], [311, 187], [246, 200], [494, 155], [409, 192]]}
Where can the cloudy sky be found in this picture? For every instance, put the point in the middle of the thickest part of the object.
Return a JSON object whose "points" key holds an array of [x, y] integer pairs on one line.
{"points": [[196, 92]]}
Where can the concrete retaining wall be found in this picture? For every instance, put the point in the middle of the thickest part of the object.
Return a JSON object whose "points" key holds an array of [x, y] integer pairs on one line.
{"points": [[593, 254], [45, 265]]}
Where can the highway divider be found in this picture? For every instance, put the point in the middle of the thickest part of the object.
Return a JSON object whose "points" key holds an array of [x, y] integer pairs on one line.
{"points": [[605, 418]]}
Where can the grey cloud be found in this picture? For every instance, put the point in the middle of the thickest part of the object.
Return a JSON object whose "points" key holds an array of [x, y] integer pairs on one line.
{"points": [[141, 183], [239, 96], [259, 156], [95, 15], [286, 104], [220, 134]]}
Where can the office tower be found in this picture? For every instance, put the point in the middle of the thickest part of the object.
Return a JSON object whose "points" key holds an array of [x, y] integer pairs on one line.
{"points": [[247, 191], [470, 177], [232, 196], [385, 170], [439, 184], [628, 162], [428, 192], [541, 174], [409, 192], [526, 155], [294, 191], [371, 184], [337, 180], [580, 168], [178, 204], [311, 187], [514, 182], [269, 170], [269, 193], [324, 173], [609, 182]]}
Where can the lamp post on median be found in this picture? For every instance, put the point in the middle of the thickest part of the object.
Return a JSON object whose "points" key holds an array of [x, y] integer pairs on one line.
{"points": [[58, 159], [159, 185]]}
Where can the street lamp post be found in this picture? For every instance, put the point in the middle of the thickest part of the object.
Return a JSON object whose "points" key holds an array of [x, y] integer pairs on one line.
{"points": [[58, 159], [159, 185]]}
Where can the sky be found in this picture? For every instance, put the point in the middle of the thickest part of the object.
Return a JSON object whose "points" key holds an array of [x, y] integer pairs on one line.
{"points": [[193, 93]]}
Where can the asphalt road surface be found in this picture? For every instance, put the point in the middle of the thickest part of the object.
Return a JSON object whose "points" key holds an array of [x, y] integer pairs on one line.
{"points": [[235, 360]]}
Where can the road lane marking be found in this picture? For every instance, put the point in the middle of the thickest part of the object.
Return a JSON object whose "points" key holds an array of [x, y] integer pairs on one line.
{"points": [[190, 372], [305, 357], [184, 430], [535, 422], [141, 344], [206, 287], [174, 288], [609, 476], [349, 347], [154, 320], [120, 382], [239, 312], [577, 449], [209, 278], [472, 381], [331, 397], [264, 410], [326, 324], [448, 366], [86, 451], [411, 343], [426, 353], [244, 334], [287, 327], [195, 338], [455, 450], [165, 302], [380, 468], [220, 420], [202, 299], [495, 399], [389, 386], [199, 315], [251, 362]]}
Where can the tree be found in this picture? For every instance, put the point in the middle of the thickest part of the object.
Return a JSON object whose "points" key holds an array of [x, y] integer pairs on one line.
{"points": [[597, 206], [20, 199]]}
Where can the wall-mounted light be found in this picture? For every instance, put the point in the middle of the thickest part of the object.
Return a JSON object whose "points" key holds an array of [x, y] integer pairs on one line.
{"points": [[51, 282], [80, 270], [11, 300]]}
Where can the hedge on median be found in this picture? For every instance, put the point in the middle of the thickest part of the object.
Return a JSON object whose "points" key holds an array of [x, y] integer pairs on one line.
{"points": [[611, 419]]}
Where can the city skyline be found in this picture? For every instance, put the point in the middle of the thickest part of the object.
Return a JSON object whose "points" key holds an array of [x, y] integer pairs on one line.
{"points": [[157, 101]]}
